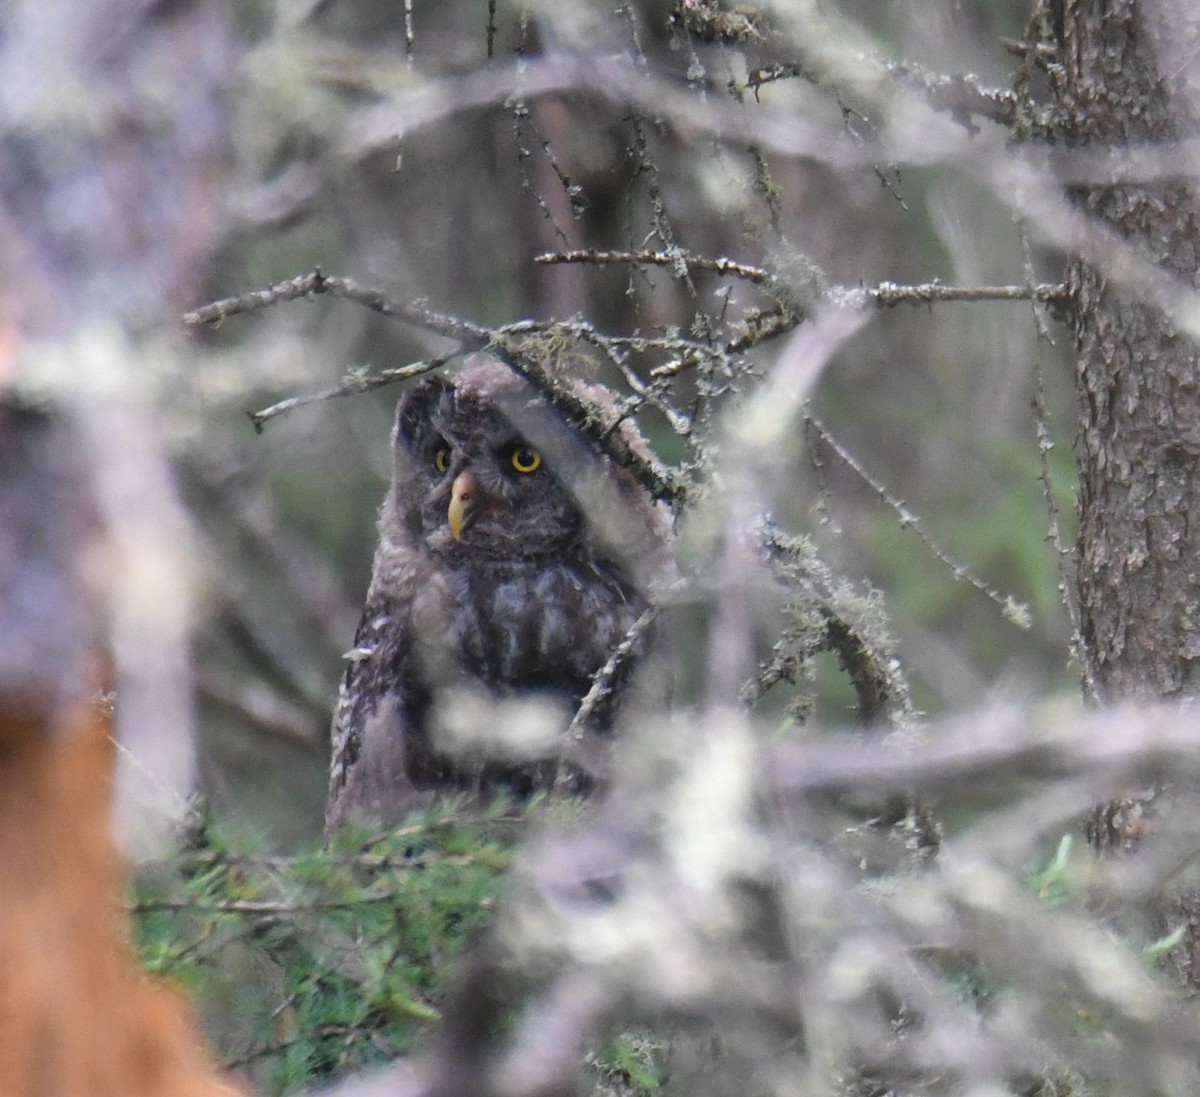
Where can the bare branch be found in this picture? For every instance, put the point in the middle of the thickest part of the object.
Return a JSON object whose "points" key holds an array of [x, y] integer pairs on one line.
{"points": [[1001, 747], [308, 286], [928, 293], [605, 680], [886, 293], [906, 939], [962, 95], [1040, 51], [660, 259], [352, 385], [1015, 612]]}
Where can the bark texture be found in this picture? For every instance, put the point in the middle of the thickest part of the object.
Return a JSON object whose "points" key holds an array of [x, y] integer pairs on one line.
{"points": [[1124, 82]]}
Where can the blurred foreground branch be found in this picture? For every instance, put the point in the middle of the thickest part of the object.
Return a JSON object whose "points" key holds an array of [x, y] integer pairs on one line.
{"points": [[722, 900]]}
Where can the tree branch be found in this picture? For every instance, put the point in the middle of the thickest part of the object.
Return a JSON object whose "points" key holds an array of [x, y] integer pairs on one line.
{"points": [[886, 293], [352, 385], [312, 285]]}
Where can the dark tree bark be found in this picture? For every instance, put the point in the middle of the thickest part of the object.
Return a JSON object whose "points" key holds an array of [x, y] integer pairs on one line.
{"points": [[1138, 376], [1138, 383]]}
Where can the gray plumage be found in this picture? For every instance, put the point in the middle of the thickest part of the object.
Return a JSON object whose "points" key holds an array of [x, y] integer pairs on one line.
{"points": [[512, 560]]}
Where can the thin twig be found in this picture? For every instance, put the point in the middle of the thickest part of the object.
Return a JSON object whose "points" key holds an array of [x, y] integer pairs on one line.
{"points": [[962, 95], [261, 709], [604, 680], [491, 29], [522, 118], [260, 906], [409, 39], [1015, 612], [263, 1051], [887, 294], [352, 385], [1042, 52], [1045, 444], [316, 283], [1054, 535], [673, 259]]}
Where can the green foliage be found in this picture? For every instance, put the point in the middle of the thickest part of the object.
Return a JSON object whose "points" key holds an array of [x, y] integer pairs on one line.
{"points": [[1057, 884], [632, 1061], [309, 966], [317, 965], [1063, 1083]]}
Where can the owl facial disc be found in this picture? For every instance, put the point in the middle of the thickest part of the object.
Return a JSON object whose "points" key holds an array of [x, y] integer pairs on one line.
{"points": [[462, 503]]}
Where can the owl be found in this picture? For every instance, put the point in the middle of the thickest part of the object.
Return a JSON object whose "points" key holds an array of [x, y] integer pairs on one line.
{"points": [[512, 561]]}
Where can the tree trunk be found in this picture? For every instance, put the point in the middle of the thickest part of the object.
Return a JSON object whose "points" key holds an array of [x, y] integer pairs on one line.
{"points": [[1138, 442], [1138, 377]]}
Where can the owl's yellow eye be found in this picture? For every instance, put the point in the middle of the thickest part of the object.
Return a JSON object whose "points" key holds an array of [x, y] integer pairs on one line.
{"points": [[442, 458], [525, 459]]}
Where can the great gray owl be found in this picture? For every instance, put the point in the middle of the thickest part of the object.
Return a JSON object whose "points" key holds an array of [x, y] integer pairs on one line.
{"points": [[512, 560]]}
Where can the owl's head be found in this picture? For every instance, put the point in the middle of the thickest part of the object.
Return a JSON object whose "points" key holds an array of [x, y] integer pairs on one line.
{"points": [[483, 467]]}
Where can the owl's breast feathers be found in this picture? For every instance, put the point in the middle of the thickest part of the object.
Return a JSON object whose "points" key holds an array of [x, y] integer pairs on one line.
{"points": [[509, 625], [518, 624]]}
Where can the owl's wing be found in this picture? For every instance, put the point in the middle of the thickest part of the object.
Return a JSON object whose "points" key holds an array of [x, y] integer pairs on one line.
{"points": [[379, 699]]}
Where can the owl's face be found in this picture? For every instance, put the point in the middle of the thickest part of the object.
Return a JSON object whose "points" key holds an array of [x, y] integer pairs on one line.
{"points": [[468, 483]]}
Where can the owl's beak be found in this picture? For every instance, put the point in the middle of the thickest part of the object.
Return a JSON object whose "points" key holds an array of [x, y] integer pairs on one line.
{"points": [[462, 497]]}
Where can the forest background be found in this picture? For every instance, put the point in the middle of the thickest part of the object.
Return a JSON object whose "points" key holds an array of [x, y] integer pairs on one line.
{"points": [[935, 403], [722, 187]]}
